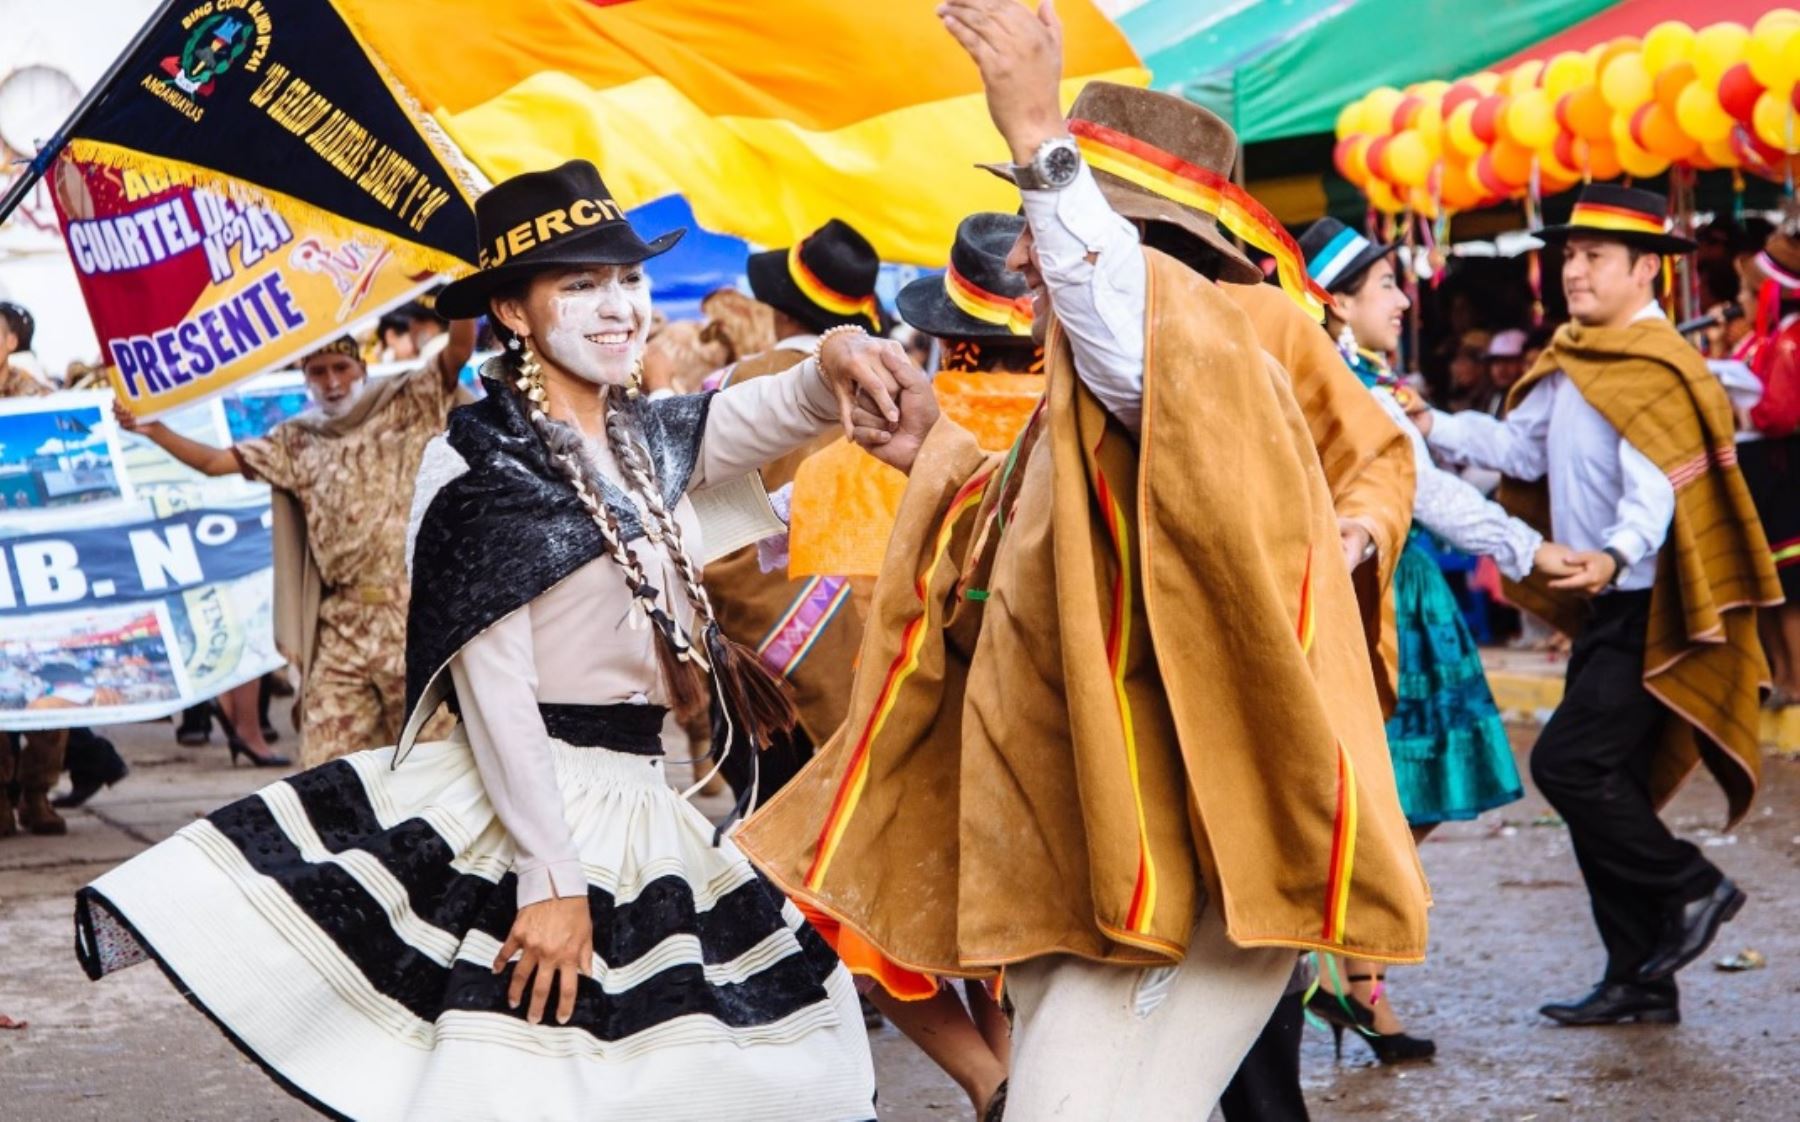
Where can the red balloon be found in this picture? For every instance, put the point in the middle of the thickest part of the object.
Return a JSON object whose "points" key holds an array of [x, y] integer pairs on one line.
{"points": [[1738, 91], [1373, 156], [1486, 122], [1407, 109], [1458, 93]]}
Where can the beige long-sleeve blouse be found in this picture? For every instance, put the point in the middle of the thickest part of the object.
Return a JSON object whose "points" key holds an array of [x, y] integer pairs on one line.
{"points": [[573, 645]]}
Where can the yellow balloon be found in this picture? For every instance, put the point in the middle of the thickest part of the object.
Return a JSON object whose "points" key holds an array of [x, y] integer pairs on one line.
{"points": [[1774, 53], [1350, 120], [1775, 122], [1717, 49], [1567, 73], [1635, 161], [1459, 132], [1667, 44], [1697, 111], [1408, 162], [1429, 124], [1487, 82], [1626, 82], [1524, 76], [1773, 18], [1530, 119], [1378, 110], [1382, 197]]}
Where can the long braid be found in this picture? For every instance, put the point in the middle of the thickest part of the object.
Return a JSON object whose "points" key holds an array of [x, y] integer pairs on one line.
{"points": [[564, 444], [754, 695]]}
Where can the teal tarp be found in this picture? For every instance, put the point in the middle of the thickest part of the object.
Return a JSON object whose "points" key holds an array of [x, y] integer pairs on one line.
{"points": [[1280, 68]]}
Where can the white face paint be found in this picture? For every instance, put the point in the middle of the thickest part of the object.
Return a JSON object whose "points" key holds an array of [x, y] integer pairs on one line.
{"points": [[593, 322]]}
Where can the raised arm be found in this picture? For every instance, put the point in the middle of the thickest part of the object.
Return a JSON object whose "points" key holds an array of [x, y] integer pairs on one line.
{"points": [[203, 458]]}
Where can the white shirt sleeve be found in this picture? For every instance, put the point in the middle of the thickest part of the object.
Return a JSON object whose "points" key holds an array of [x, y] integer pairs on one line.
{"points": [[1454, 510], [1100, 303], [1645, 509], [1518, 446], [496, 689]]}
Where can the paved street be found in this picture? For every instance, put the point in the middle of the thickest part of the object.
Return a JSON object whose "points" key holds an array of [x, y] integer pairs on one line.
{"points": [[1510, 930]]}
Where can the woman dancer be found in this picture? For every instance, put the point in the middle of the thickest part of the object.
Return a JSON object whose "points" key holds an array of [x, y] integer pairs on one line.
{"points": [[1451, 757], [523, 921]]}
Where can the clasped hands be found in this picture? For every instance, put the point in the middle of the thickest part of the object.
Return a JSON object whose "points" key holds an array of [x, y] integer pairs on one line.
{"points": [[885, 403]]}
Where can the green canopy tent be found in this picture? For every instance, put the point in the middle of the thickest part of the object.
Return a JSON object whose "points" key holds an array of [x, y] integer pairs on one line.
{"points": [[1279, 71]]}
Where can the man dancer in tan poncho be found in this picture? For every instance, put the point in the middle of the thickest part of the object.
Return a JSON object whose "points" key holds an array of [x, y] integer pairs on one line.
{"points": [[1114, 727]]}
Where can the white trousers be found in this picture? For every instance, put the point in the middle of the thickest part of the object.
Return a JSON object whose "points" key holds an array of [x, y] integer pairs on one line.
{"points": [[1093, 1043]]}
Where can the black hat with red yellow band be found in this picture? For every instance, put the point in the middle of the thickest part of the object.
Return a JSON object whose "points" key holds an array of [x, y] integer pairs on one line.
{"points": [[1632, 215], [825, 279], [559, 219], [977, 297]]}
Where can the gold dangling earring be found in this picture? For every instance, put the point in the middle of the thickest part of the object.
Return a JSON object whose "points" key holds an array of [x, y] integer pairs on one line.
{"points": [[531, 376], [635, 388]]}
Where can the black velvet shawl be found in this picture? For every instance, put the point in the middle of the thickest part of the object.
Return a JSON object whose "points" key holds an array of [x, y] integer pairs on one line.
{"points": [[511, 527]]}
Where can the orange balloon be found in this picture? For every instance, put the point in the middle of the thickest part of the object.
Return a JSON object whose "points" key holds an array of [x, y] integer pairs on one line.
{"points": [[1512, 163], [1655, 129], [1671, 81], [1456, 189], [1722, 153], [1351, 155], [1601, 160], [1586, 114], [1382, 198], [1635, 160]]}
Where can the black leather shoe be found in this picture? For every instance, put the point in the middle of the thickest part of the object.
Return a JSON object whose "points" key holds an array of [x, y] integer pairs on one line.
{"points": [[1618, 1003], [1690, 929]]}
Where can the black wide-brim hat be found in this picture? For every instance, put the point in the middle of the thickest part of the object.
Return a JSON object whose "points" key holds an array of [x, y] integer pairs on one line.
{"points": [[1631, 215], [558, 219], [977, 297], [825, 280], [1337, 254]]}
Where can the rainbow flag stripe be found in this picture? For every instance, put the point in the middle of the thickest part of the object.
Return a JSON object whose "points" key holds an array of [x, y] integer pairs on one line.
{"points": [[827, 297], [1601, 217], [1014, 315], [1343, 852], [906, 661], [1142, 911], [1168, 175]]}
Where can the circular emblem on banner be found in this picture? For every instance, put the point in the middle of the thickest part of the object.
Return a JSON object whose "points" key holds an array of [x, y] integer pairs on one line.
{"points": [[215, 43]]}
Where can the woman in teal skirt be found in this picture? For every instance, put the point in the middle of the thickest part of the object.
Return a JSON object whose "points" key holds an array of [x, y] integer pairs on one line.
{"points": [[1451, 756]]}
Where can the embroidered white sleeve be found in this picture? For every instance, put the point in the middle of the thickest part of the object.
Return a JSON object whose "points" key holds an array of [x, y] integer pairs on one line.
{"points": [[440, 464]]}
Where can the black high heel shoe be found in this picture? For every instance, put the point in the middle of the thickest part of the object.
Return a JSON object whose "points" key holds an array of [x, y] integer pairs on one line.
{"points": [[1343, 1011], [257, 759]]}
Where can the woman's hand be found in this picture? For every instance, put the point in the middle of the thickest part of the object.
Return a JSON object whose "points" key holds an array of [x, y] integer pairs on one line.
{"points": [[898, 445], [863, 371], [554, 940]]}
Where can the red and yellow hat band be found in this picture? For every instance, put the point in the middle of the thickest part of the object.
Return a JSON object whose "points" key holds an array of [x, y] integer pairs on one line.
{"points": [[1598, 216], [1013, 314], [827, 297], [1168, 175]]}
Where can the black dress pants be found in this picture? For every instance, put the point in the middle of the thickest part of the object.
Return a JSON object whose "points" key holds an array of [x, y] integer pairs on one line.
{"points": [[1266, 1087], [1593, 763]]}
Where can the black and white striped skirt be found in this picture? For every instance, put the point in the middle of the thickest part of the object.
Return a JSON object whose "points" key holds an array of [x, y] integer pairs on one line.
{"points": [[340, 927]]}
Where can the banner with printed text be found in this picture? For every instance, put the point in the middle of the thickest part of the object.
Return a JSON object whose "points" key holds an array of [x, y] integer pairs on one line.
{"points": [[277, 101], [130, 586], [191, 291]]}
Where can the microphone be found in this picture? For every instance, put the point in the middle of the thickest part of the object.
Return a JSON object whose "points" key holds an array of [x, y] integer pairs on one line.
{"points": [[1711, 319]]}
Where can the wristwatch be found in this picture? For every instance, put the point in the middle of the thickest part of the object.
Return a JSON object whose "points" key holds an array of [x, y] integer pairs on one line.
{"points": [[1053, 166], [1619, 566]]}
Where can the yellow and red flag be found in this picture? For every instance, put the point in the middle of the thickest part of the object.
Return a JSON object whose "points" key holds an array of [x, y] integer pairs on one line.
{"points": [[769, 117]]}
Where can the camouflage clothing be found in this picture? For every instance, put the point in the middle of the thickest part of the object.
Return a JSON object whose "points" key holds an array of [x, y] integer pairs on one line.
{"points": [[355, 490]]}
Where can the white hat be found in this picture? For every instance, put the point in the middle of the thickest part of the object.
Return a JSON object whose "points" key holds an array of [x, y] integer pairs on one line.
{"points": [[1507, 344]]}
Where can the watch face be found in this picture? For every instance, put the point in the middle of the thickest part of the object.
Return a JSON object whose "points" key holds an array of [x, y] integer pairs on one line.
{"points": [[1061, 164]]}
